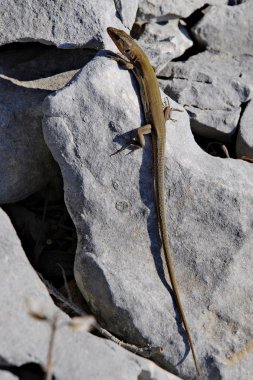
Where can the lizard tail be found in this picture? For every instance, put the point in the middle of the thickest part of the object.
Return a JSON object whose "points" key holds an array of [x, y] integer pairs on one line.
{"points": [[159, 185]]}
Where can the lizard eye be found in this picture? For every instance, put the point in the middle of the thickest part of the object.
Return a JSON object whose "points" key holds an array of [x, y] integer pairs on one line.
{"points": [[127, 50]]}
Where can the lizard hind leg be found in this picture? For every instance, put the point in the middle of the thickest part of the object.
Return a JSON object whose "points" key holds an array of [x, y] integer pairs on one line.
{"points": [[141, 132], [138, 141]]}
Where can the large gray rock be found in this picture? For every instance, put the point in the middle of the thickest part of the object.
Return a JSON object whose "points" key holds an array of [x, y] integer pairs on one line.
{"points": [[25, 161], [27, 75], [163, 42], [27, 62], [6, 375], [226, 28], [26, 164], [76, 355], [212, 87], [65, 24], [112, 205], [244, 141], [161, 9]]}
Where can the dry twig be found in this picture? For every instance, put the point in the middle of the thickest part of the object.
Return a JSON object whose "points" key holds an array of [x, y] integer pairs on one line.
{"points": [[147, 351]]}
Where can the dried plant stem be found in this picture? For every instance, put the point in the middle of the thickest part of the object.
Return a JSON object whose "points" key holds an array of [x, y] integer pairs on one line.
{"points": [[143, 351], [49, 367], [65, 282]]}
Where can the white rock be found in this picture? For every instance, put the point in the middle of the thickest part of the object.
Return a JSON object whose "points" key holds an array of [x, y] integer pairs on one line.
{"points": [[6, 375], [226, 28], [244, 141], [23, 153], [163, 9], [27, 62], [215, 124], [65, 24], [164, 42], [212, 87], [76, 355], [27, 75], [118, 264]]}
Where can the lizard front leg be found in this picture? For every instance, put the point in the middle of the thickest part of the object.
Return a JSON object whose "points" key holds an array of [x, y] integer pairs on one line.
{"points": [[121, 61], [167, 111]]}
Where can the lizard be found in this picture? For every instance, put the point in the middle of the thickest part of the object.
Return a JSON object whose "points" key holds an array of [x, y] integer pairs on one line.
{"points": [[155, 118]]}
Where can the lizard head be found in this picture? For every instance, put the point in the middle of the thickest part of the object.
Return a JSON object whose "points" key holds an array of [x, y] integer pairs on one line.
{"points": [[124, 42]]}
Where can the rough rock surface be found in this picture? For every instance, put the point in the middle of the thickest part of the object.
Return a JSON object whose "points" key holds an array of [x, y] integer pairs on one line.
{"points": [[244, 141], [112, 205], [212, 87], [23, 87], [161, 9], [163, 42], [6, 375], [77, 355], [23, 152], [65, 24], [226, 28], [27, 62]]}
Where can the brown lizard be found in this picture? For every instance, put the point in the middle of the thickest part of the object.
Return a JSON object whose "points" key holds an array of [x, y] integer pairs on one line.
{"points": [[155, 124]]}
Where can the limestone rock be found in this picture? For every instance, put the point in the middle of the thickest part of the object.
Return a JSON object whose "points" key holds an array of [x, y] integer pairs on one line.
{"points": [[65, 24], [27, 76], [76, 355], [112, 204], [212, 87], [26, 164], [161, 9], [28, 62], [228, 29], [164, 42], [244, 141], [6, 375]]}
